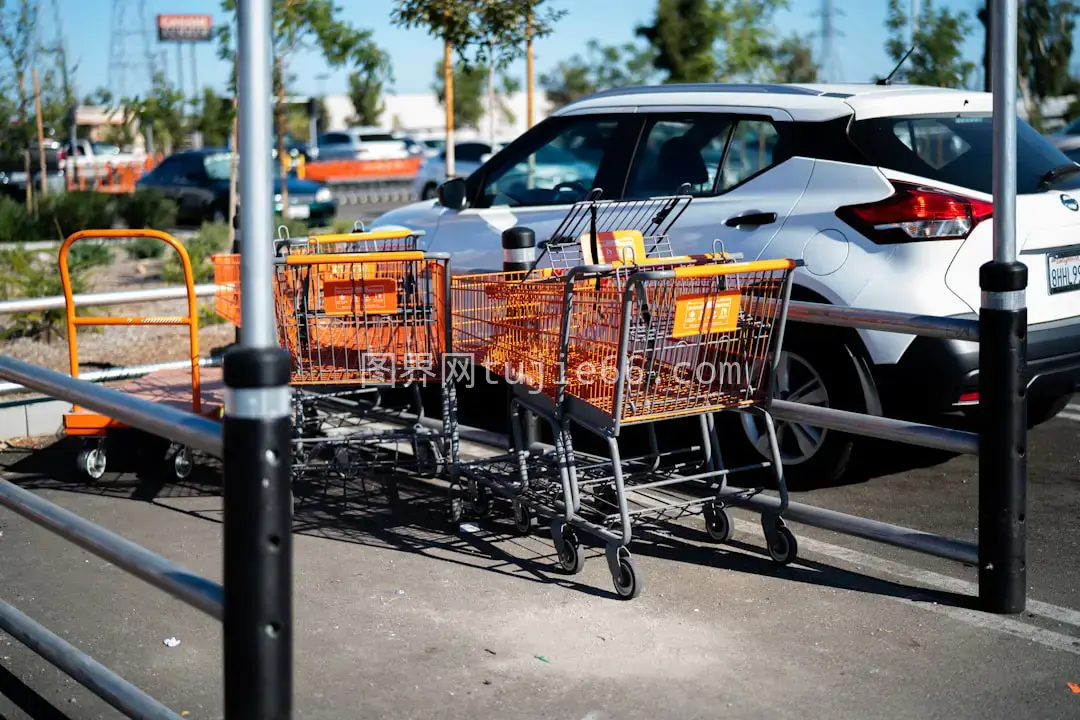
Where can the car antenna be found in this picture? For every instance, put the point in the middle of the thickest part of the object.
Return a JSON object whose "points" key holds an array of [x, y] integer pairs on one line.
{"points": [[888, 80]]}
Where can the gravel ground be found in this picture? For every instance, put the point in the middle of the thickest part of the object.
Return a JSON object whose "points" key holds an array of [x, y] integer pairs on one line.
{"points": [[124, 345]]}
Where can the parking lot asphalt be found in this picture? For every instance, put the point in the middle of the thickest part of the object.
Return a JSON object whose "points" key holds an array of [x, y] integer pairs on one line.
{"points": [[400, 616]]}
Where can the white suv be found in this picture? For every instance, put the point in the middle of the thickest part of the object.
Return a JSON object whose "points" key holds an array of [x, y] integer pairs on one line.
{"points": [[883, 191]]}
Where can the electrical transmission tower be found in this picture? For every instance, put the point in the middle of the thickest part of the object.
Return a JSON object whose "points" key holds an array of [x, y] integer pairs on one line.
{"points": [[129, 23], [829, 69]]}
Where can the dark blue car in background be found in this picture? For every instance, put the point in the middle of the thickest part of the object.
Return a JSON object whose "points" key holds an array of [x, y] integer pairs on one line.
{"points": [[198, 182]]}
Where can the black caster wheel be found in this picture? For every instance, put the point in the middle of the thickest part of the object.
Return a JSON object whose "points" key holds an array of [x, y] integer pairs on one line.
{"points": [[482, 502], [627, 582], [180, 462], [571, 559], [91, 461], [718, 523], [783, 547], [524, 519]]}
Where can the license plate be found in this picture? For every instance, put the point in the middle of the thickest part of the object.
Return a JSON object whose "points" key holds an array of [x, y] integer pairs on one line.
{"points": [[1063, 272], [298, 212]]}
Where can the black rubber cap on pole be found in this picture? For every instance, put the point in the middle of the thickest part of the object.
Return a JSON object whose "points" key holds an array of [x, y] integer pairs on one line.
{"points": [[1003, 443], [256, 367], [518, 238]]}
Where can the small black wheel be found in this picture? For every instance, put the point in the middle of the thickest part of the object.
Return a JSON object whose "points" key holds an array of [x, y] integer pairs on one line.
{"points": [[783, 547], [524, 519], [482, 502], [571, 559], [181, 461], [91, 461], [718, 523], [627, 582]]}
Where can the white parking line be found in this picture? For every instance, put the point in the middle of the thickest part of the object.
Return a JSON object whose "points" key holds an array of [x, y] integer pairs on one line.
{"points": [[1068, 415], [1000, 623]]}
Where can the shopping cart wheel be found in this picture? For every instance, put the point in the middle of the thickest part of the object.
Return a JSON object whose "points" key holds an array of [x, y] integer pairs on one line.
{"points": [[783, 547], [571, 559], [718, 523], [456, 511], [179, 457], [429, 457], [627, 582], [524, 519], [91, 460]]}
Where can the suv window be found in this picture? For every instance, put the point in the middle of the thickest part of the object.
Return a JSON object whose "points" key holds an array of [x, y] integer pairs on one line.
{"points": [[334, 139], [469, 152], [677, 151], [956, 149], [555, 167], [751, 151]]}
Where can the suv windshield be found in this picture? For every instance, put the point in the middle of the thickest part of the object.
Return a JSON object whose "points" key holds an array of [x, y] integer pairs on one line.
{"points": [[957, 149]]}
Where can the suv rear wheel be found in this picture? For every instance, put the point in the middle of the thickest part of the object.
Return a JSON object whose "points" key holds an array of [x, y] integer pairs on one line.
{"points": [[816, 368]]}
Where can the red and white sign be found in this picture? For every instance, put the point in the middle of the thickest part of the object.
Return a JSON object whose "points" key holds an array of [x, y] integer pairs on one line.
{"points": [[184, 28]]}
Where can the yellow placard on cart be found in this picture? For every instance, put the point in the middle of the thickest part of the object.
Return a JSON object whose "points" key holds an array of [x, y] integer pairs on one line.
{"points": [[618, 247], [706, 314], [346, 297]]}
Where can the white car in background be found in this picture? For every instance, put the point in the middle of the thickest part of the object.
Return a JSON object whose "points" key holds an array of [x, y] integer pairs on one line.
{"points": [[468, 157], [885, 192], [360, 143]]}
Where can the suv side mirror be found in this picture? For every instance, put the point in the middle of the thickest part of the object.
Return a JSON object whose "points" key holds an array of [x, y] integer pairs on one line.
{"points": [[451, 194]]}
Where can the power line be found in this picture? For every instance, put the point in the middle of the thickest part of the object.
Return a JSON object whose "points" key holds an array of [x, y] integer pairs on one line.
{"points": [[123, 29], [829, 69]]}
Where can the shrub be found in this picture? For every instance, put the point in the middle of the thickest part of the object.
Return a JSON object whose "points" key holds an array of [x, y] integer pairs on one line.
{"points": [[86, 255], [211, 238], [147, 208], [146, 248], [208, 315], [296, 228], [60, 215], [26, 274], [16, 224]]}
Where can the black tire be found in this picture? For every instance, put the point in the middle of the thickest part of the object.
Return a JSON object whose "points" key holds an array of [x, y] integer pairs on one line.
{"points": [[718, 525], [571, 559], [783, 548], [628, 583], [524, 519], [428, 193], [1042, 409], [829, 356]]}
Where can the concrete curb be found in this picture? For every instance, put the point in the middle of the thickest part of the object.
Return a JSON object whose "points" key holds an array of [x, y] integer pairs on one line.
{"points": [[32, 417]]}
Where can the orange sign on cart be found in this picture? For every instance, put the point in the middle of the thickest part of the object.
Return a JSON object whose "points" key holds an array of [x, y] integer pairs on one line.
{"points": [[617, 247], [706, 313], [346, 297]]}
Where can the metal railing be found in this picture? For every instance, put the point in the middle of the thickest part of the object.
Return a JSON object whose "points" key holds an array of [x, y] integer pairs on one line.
{"points": [[119, 297], [252, 439], [125, 372]]}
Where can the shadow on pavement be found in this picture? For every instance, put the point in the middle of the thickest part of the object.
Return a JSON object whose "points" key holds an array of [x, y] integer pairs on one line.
{"points": [[23, 697]]}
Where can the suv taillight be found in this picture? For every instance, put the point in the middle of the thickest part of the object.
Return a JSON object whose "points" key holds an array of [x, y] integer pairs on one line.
{"points": [[914, 213]]}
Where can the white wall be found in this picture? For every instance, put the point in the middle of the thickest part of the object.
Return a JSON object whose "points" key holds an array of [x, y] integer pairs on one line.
{"points": [[421, 112]]}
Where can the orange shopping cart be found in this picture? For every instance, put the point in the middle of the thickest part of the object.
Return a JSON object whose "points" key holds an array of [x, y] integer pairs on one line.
{"points": [[198, 389], [360, 313], [602, 346]]}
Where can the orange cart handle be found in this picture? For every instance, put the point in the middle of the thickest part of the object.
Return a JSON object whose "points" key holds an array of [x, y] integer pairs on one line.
{"points": [[714, 270], [355, 258]]}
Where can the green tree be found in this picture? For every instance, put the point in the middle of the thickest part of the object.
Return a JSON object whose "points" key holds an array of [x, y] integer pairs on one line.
{"points": [[937, 59], [488, 33], [793, 62], [469, 82], [601, 67], [683, 34], [305, 26], [214, 118], [18, 29], [159, 113], [366, 95], [1046, 27], [749, 49]]}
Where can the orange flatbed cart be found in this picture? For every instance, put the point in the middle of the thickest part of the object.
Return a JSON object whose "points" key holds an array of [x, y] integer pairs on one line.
{"points": [[199, 390]]}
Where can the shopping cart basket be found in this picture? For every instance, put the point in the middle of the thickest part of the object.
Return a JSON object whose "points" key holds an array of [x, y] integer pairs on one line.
{"points": [[607, 347], [357, 323], [197, 389]]}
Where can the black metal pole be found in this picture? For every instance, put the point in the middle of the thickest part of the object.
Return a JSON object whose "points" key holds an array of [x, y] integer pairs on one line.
{"points": [[258, 539], [519, 253], [1002, 437], [236, 251]]}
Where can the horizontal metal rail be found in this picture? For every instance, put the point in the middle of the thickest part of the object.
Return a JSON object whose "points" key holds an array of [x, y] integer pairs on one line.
{"points": [[82, 668], [163, 574], [882, 428], [895, 535], [949, 328], [123, 373], [119, 297], [55, 244], [186, 428]]}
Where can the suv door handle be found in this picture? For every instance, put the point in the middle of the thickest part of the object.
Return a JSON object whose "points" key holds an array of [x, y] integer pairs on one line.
{"points": [[751, 218]]}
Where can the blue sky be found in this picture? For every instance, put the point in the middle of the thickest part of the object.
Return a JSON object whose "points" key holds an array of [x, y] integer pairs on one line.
{"points": [[859, 43]]}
